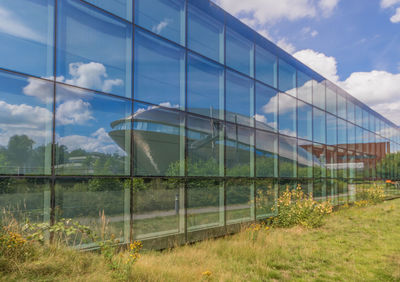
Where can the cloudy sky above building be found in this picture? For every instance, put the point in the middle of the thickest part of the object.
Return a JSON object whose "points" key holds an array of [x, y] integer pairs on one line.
{"points": [[354, 43]]}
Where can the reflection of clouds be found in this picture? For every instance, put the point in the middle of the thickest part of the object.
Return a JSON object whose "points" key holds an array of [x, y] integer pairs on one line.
{"points": [[74, 112], [161, 26], [98, 142], [164, 104], [10, 24]]}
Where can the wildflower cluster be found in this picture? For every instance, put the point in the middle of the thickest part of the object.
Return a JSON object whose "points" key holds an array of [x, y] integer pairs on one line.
{"points": [[294, 207], [13, 245], [134, 251], [370, 196], [207, 274], [254, 229]]}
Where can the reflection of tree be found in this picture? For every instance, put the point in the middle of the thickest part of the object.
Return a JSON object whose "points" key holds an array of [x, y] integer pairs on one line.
{"points": [[389, 166]]}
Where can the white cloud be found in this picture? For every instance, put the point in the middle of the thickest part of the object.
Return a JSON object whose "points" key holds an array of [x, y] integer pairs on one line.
{"points": [[270, 11], [286, 45], [260, 118], [314, 33], [10, 24], [74, 112], [324, 65], [161, 26], [396, 17], [389, 3], [98, 141]]}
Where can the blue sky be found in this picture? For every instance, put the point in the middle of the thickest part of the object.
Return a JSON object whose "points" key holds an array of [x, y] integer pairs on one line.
{"points": [[354, 43]]}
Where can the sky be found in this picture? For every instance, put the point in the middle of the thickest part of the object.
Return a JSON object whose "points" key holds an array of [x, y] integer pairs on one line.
{"points": [[353, 43]]}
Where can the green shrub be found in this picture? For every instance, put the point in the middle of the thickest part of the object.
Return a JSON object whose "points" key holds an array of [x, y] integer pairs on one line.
{"points": [[296, 208]]}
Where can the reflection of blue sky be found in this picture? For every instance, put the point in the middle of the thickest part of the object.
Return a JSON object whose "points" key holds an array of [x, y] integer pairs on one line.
{"points": [[26, 31], [287, 114], [121, 8], [266, 107], [83, 121], [97, 54]]}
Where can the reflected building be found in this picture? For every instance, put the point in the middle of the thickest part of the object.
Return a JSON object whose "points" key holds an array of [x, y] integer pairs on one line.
{"points": [[171, 118]]}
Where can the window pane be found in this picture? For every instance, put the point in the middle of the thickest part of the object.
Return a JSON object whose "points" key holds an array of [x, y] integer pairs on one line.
{"points": [[80, 61], [319, 190], [88, 200], [342, 133], [26, 115], [287, 78], [266, 196], [121, 8], [266, 116], [331, 162], [365, 119], [27, 45], [351, 136], [266, 154], [239, 201], [304, 119], [331, 100], [342, 110], [319, 94], [92, 133], [239, 99], [304, 87], [359, 139], [158, 141], [205, 87], [287, 157], [239, 151], [358, 115], [319, 152], [332, 191], [25, 198], [287, 115], [319, 126], [205, 143], [163, 17], [351, 112], [342, 192], [205, 204], [266, 67], [159, 71], [331, 130], [305, 158], [206, 30], [342, 163], [239, 52], [158, 207]]}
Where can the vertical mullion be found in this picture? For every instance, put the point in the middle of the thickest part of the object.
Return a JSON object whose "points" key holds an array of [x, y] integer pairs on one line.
{"points": [[225, 129], [185, 190], [132, 155]]}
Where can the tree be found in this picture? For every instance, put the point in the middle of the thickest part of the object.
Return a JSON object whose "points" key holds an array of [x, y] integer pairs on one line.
{"points": [[20, 149]]}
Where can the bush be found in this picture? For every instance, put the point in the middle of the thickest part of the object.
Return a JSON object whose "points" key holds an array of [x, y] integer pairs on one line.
{"points": [[371, 196], [296, 208]]}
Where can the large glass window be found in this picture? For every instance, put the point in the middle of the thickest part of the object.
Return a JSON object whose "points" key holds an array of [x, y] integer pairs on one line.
{"points": [[342, 133], [287, 115], [205, 146], [319, 94], [342, 163], [205, 204], [351, 112], [91, 201], [205, 87], [351, 136], [304, 120], [359, 139], [266, 116], [287, 157], [319, 152], [121, 8], [266, 67], [27, 36], [92, 133], [26, 118], [266, 196], [239, 201], [159, 71], [331, 100], [358, 115], [266, 154], [331, 162], [331, 130], [239, 99], [163, 17], [304, 87], [206, 30], [239, 149], [80, 59], [319, 190], [319, 126], [365, 120], [158, 208], [158, 136], [287, 78], [239, 52], [305, 158]]}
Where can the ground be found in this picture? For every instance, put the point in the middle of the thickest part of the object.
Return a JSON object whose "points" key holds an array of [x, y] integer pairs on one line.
{"points": [[355, 244]]}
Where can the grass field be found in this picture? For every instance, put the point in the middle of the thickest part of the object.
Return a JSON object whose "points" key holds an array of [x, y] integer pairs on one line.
{"points": [[355, 244]]}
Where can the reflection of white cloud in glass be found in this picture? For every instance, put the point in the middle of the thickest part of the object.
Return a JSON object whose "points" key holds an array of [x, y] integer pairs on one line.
{"points": [[74, 112], [10, 24], [99, 142], [162, 25]]}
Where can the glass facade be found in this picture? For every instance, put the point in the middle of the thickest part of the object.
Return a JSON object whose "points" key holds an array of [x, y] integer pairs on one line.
{"points": [[183, 125]]}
